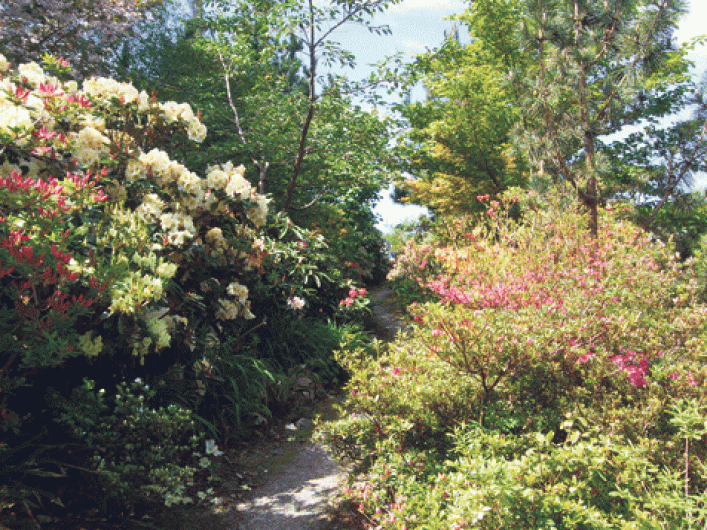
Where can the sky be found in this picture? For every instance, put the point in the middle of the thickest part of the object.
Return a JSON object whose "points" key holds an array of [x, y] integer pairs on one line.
{"points": [[418, 25]]}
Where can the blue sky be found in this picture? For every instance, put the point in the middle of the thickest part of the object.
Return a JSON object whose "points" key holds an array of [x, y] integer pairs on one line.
{"points": [[418, 25]]}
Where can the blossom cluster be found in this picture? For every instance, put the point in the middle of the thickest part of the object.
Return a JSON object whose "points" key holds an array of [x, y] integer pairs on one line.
{"points": [[353, 293], [295, 303], [504, 296], [49, 123], [231, 309]]}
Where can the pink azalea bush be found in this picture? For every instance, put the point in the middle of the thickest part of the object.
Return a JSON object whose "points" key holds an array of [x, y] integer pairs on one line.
{"points": [[539, 331]]}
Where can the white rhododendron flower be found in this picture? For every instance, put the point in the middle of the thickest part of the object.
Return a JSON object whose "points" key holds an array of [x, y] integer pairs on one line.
{"points": [[196, 131], [166, 270], [174, 111], [239, 291], [177, 221], [215, 238], [229, 310], [190, 183], [157, 160], [90, 138], [135, 170], [295, 303], [13, 116], [164, 170], [70, 87], [151, 208], [237, 185], [86, 156], [143, 101], [33, 73], [157, 327], [259, 214], [4, 64], [217, 179], [96, 122], [103, 88]]}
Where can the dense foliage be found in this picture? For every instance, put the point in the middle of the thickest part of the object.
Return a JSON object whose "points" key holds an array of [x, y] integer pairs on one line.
{"points": [[119, 264], [171, 273], [557, 380]]}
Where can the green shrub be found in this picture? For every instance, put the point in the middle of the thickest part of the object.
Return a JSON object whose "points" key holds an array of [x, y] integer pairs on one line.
{"points": [[137, 452], [578, 362], [117, 262]]}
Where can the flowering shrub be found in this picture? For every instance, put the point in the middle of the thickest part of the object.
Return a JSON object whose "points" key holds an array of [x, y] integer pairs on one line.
{"points": [[355, 306], [132, 443], [413, 267], [536, 324], [116, 260]]}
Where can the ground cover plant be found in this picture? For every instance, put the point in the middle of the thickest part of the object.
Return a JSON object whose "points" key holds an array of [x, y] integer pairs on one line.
{"points": [[556, 382], [143, 306]]}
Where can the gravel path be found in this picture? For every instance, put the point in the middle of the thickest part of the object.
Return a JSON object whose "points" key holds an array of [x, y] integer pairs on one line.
{"points": [[386, 317], [296, 495], [301, 478]]}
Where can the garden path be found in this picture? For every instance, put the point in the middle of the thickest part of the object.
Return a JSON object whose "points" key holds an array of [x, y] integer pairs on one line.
{"points": [[297, 490]]}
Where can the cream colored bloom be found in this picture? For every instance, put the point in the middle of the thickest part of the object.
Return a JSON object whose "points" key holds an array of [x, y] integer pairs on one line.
{"points": [[14, 116], [166, 270], [217, 179], [4, 64], [158, 329], [143, 101], [87, 157], [174, 112], [214, 236], [237, 185], [196, 131], [239, 291], [164, 170], [151, 208], [229, 310], [135, 170], [89, 137], [33, 73], [102, 88], [177, 221], [70, 87], [191, 183], [295, 303]]}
